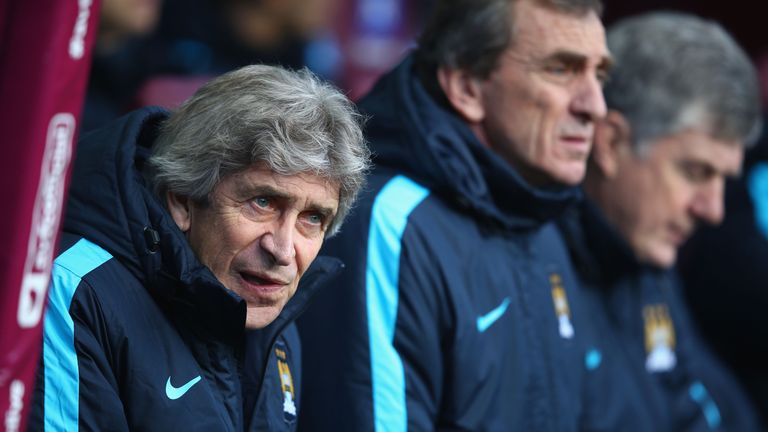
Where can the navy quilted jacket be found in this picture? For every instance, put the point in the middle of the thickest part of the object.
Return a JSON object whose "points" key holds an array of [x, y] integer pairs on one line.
{"points": [[649, 339], [138, 334]]}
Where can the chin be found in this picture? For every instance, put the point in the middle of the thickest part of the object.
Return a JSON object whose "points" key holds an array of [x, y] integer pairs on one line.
{"points": [[568, 171], [663, 258], [260, 317], [571, 177]]}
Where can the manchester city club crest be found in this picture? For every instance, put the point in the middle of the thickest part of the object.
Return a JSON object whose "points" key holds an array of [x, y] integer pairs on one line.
{"points": [[562, 310], [286, 385], [659, 339]]}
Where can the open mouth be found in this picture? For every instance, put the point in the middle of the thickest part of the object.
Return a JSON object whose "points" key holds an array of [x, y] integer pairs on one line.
{"points": [[255, 280], [262, 284]]}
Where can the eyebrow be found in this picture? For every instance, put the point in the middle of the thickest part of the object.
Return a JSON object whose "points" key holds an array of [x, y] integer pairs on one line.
{"points": [[571, 58], [324, 211], [728, 173], [250, 190], [272, 192]]}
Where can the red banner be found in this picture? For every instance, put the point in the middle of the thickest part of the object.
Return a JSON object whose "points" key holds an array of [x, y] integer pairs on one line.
{"points": [[45, 54]]}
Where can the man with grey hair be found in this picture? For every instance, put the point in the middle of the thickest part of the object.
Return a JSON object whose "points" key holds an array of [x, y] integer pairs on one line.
{"points": [[455, 311], [186, 236], [683, 102]]}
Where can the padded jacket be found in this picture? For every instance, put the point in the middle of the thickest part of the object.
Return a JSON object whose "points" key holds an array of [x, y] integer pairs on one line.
{"points": [[455, 310], [138, 334], [670, 380]]}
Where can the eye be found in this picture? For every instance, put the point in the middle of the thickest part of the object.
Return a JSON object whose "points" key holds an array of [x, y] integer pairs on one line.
{"points": [[558, 69], [315, 219], [312, 224], [559, 72], [696, 172], [602, 76], [262, 202]]}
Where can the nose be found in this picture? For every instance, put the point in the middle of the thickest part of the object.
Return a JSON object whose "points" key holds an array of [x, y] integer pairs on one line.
{"points": [[708, 203], [278, 243], [588, 102]]}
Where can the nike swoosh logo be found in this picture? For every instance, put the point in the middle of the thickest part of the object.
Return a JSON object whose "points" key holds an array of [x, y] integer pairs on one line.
{"points": [[487, 320], [174, 393]]}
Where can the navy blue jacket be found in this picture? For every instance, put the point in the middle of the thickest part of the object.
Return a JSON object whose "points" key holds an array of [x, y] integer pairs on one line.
{"points": [[445, 317], [724, 272], [648, 337], [138, 334]]}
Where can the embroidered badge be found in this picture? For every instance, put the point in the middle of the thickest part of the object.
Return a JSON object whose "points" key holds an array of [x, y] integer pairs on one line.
{"points": [[562, 310], [286, 385], [659, 339]]}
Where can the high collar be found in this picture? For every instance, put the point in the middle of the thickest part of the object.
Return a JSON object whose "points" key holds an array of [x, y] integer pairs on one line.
{"points": [[411, 133]]}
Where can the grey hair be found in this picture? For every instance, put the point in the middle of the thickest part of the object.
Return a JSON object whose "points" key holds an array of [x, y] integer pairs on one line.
{"points": [[472, 34], [292, 121], [674, 71]]}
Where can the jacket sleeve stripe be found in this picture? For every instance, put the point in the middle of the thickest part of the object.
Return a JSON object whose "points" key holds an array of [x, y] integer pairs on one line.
{"points": [[61, 384], [389, 217], [757, 183]]}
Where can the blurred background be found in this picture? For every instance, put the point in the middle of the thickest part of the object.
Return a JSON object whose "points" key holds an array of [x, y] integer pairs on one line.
{"points": [[154, 51], [159, 51]]}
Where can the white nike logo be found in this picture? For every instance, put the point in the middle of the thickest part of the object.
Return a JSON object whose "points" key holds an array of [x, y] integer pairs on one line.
{"points": [[174, 393]]}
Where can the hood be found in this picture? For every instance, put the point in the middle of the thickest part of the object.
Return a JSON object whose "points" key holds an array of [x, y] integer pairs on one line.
{"points": [[409, 132], [108, 202]]}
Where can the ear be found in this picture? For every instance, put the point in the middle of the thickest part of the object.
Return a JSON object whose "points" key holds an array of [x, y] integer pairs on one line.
{"points": [[612, 142], [178, 206], [464, 93]]}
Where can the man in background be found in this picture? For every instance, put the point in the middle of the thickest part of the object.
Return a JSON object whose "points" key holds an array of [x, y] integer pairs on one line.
{"points": [[683, 102], [455, 310]]}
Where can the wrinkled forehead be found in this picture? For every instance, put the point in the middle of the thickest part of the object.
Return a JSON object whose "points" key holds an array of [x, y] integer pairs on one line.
{"points": [[539, 31]]}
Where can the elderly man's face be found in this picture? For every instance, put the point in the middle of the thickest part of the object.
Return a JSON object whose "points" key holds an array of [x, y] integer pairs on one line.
{"points": [[659, 197], [259, 234], [542, 100]]}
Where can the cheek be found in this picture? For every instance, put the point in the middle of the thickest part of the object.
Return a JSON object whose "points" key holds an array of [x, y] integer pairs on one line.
{"points": [[231, 243], [637, 200], [650, 220], [520, 111], [659, 208], [306, 252], [672, 193], [549, 116], [220, 253], [681, 196], [649, 201]]}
